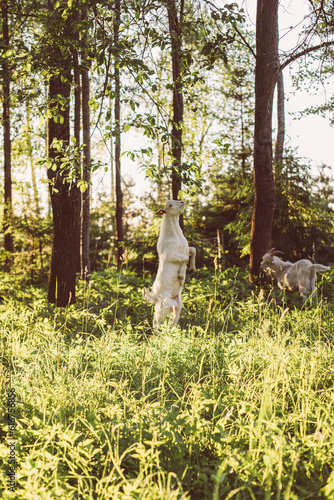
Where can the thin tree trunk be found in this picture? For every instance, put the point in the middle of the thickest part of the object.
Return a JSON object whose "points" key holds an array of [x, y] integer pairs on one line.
{"points": [[85, 223], [32, 163], [112, 172], [7, 219], [279, 146], [77, 100], [77, 122], [118, 185], [266, 72], [177, 122]]}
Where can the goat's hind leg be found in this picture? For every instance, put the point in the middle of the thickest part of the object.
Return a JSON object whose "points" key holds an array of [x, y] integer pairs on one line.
{"points": [[306, 285], [162, 309]]}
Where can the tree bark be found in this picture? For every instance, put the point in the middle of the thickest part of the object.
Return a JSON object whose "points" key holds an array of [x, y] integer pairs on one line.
{"points": [[118, 178], [65, 200], [7, 219], [279, 146], [177, 122], [266, 73], [86, 176]]}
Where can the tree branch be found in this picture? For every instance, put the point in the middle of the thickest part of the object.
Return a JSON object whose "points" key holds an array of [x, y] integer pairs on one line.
{"points": [[245, 42], [304, 52]]}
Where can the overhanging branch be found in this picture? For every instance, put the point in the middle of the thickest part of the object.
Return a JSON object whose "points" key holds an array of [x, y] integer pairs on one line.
{"points": [[304, 53]]}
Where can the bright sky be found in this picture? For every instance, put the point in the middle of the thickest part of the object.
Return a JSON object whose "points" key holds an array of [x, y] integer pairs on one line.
{"points": [[313, 135]]}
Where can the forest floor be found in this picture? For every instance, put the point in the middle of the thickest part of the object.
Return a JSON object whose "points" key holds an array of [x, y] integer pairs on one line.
{"points": [[235, 402]]}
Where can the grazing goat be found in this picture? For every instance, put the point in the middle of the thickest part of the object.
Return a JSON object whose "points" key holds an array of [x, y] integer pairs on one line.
{"points": [[174, 253], [299, 276]]}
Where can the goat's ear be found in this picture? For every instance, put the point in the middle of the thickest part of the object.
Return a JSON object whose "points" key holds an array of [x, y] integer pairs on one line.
{"points": [[160, 212]]}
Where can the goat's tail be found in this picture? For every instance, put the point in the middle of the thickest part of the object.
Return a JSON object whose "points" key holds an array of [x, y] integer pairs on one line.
{"points": [[149, 296], [319, 268]]}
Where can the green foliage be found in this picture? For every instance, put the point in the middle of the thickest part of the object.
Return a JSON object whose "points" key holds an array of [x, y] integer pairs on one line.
{"points": [[230, 210], [235, 403], [103, 234], [67, 162], [32, 242], [303, 224]]}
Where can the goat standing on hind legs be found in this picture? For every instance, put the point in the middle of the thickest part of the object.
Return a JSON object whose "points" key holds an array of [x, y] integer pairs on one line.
{"points": [[174, 254], [300, 276]]}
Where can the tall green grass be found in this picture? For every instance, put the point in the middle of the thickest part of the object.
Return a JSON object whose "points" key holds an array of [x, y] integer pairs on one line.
{"points": [[236, 402]]}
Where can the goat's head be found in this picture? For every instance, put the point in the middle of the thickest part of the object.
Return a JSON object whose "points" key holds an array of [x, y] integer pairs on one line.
{"points": [[267, 259], [172, 207]]}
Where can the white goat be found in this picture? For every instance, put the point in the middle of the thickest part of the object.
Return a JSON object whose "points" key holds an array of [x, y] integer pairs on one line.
{"points": [[300, 276], [174, 253]]}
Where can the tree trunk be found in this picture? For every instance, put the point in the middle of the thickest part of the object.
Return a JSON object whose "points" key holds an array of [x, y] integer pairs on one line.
{"points": [[266, 72], [32, 163], [279, 146], [85, 222], [65, 200], [112, 171], [7, 218], [77, 96], [118, 185], [77, 127], [177, 122], [77, 117]]}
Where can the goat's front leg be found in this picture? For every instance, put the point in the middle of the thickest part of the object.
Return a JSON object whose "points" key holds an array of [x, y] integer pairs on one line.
{"points": [[176, 258]]}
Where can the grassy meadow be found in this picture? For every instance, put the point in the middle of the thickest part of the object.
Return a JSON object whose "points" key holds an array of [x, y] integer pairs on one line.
{"points": [[235, 402]]}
